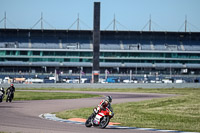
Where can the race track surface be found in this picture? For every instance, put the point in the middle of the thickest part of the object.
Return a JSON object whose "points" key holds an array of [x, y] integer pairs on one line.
{"points": [[23, 116]]}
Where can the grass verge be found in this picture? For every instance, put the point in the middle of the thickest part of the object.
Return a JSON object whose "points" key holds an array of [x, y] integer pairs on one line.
{"points": [[23, 95], [180, 113], [135, 90]]}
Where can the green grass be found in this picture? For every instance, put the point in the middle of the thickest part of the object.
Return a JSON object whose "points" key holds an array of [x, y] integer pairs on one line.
{"points": [[135, 90], [180, 113], [23, 95]]}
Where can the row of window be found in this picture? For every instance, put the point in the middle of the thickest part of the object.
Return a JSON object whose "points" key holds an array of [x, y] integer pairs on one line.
{"points": [[101, 60], [102, 54]]}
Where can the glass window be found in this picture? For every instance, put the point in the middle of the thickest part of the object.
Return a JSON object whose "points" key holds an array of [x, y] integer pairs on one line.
{"points": [[10, 52], [36, 53], [86, 60], [2, 52], [72, 53], [74, 60], [86, 54], [60, 53], [48, 53], [23, 52]]}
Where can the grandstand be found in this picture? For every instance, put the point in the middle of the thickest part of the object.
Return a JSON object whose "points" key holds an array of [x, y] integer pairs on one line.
{"points": [[43, 51]]}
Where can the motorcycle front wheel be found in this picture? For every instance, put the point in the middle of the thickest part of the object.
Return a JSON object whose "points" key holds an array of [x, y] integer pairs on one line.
{"points": [[104, 122], [1, 99]]}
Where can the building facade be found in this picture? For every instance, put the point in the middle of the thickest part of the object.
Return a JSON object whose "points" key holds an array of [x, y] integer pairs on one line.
{"points": [[70, 51]]}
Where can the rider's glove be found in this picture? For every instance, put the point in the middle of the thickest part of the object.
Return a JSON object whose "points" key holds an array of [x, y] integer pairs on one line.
{"points": [[95, 110], [98, 109]]}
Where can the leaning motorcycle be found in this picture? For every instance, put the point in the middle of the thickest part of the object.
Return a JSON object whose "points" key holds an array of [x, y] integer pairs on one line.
{"points": [[1, 96], [9, 96], [101, 119]]}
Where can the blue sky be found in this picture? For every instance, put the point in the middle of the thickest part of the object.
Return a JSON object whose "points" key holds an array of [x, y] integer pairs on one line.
{"points": [[166, 15]]}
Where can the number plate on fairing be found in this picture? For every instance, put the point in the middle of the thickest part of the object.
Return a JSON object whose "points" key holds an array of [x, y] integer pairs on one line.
{"points": [[97, 119]]}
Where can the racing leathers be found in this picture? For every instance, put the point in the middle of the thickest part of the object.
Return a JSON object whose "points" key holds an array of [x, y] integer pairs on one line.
{"points": [[102, 106], [12, 90]]}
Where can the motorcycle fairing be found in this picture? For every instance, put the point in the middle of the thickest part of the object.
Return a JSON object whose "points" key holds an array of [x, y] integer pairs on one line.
{"points": [[98, 118]]}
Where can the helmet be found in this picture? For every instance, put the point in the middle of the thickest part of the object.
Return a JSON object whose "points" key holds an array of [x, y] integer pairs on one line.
{"points": [[109, 99], [11, 85]]}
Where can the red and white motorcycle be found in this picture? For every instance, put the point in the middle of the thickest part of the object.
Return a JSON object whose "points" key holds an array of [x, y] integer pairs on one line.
{"points": [[101, 119]]}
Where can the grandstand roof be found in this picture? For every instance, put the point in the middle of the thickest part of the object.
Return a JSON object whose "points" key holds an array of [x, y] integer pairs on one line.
{"points": [[103, 32]]}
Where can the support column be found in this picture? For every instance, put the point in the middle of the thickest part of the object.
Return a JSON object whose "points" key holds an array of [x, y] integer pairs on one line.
{"points": [[96, 42]]}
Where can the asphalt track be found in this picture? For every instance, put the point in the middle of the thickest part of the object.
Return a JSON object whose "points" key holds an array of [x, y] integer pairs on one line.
{"points": [[23, 116]]}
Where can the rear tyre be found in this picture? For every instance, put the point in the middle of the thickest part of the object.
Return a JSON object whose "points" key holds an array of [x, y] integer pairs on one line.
{"points": [[10, 100], [7, 99], [88, 122]]}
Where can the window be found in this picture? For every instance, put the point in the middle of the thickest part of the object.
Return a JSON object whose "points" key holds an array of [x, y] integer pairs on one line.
{"points": [[60, 53], [2, 52], [36, 53], [23, 52]]}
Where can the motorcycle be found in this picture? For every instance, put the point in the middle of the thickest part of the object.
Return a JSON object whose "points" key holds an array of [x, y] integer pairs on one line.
{"points": [[1, 96], [101, 119], [9, 96]]}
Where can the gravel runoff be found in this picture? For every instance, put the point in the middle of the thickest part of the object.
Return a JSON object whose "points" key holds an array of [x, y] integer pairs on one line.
{"points": [[107, 85]]}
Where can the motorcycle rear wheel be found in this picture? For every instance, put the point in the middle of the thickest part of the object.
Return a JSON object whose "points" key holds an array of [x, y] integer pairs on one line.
{"points": [[10, 100], [7, 99], [88, 122]]}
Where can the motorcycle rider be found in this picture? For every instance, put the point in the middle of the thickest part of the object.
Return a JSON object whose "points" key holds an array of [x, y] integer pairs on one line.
{"points": [[2, 94], [103, 104], [12, 90], [2, 90], [102, 114]]}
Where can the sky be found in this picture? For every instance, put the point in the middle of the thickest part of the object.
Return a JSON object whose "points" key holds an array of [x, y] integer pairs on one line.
{"points": [[134, 15]]}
